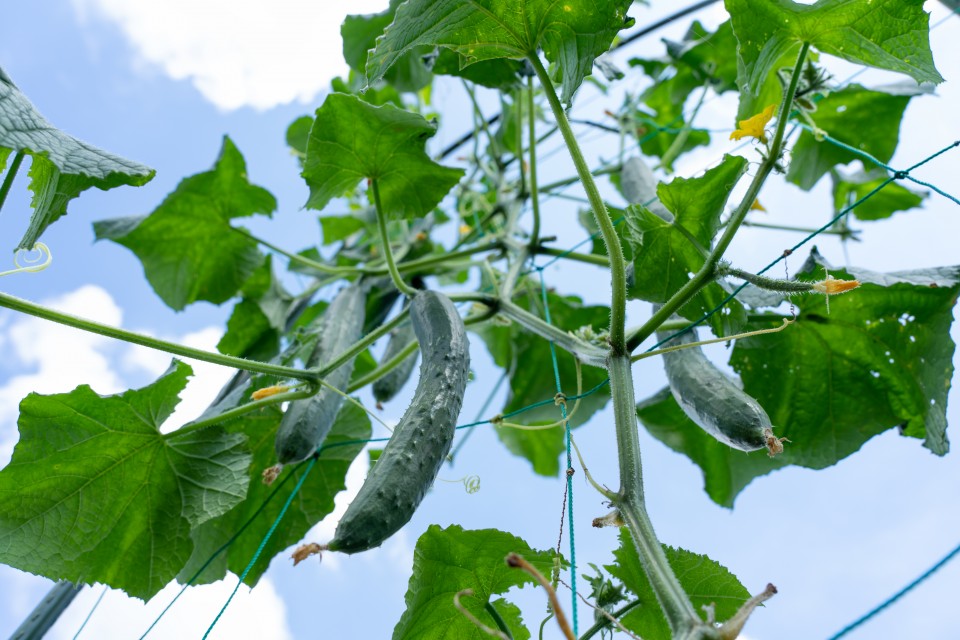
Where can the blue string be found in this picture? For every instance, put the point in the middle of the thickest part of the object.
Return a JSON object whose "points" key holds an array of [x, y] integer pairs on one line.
{"points": [[563, 413], [263, 543], [899, 594]]}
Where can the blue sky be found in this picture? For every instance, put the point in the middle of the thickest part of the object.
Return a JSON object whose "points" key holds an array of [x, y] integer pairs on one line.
{"points": [[159, 83]]}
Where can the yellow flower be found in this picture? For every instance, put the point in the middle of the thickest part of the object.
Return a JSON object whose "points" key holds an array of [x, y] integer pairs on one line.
{"points": [[753, 126], [756, 206], [266, 392], [465, 229]]}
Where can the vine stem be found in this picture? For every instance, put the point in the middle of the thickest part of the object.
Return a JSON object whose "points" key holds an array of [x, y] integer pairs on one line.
{"points": [[404, 288], [534, 189], [586, 352], [39, 311], [707, 272], [11, 174], [618, 278]]}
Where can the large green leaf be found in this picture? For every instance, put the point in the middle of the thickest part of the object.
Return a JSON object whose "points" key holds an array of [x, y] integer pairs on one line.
{"points": [[352, 140], [893, 197], [886, 34], [360, 33], [881, 358], [448, 561], [706, 582], [572, 34], [188, 249], [667, 251], [62, 166], [529, 363], [864, 119], [95, 493], [726, 471], [312, 504]]}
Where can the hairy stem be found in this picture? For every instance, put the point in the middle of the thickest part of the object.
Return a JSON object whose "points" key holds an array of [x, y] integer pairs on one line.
{"points": [[586, 352], [354, 350], [39, 311], [404, 288], [534, 189], [243, 410], [618, 278], [606, 622], [707, 272]]}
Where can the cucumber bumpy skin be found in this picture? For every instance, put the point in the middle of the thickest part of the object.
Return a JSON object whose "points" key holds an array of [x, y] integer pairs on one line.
{"points": [[714, 402], [307, 422], [390, 384], [411, 460]]}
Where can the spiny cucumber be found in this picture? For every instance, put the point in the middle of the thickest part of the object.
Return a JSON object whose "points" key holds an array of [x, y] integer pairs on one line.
{"points": [[713, 401], [306, 422], [421, 440], [385, 388]]}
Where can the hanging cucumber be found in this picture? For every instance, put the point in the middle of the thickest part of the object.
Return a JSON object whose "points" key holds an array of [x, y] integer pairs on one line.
{"points": [[306, 422], [411, 460], [713, 401], [385, 388]]}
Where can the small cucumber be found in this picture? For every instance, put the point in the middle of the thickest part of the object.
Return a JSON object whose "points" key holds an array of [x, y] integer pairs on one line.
{"points": [[713, 401], [385, 388], [411, 460], [307, 422]]}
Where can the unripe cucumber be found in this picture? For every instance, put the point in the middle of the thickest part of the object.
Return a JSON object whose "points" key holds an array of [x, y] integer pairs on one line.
{"points": [[385, 388], [411, 460], [713, 401], [307, 422]]}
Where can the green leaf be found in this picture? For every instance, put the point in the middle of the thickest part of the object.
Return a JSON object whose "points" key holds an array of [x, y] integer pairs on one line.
{"points": [[706, 582], [352, 140], [881, 358], [667, 251], [448, 561], [495, 74], [312, 504], [663, 116], [726, 471], [63, 166], [864, 119], [95, 493], [360, 33], [886, 34], [188, 249], [893, 197], [258, 320], [528, 360], [297, 135], [337, 228], [571, 33]]}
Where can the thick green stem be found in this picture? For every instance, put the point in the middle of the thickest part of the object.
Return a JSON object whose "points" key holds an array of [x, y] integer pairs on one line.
{"points": [[673, 600], [586, 352], [707, 272], [498, 619], [11, 174], [404, 288], [25, 306], [534, 189], [618, 277]]}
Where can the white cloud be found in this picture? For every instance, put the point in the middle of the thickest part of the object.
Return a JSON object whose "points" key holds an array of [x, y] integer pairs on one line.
{"points": [[259, 613], [237, 53]]}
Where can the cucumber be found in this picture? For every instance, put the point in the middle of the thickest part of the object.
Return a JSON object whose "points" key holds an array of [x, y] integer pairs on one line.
{"points": [[411, 460], [307, 422], [389, 385], [714, 402]]}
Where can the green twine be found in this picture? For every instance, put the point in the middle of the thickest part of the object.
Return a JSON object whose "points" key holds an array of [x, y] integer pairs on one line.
{"points": [[90, 615], [263, 543], [563, 414]]}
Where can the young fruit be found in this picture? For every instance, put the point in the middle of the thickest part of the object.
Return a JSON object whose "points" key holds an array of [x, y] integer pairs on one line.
{"points": [[307, 422], [411, 460], [713, 401]]}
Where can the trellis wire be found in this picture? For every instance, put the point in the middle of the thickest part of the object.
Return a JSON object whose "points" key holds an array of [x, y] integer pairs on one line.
{"points": [[90, 614]]}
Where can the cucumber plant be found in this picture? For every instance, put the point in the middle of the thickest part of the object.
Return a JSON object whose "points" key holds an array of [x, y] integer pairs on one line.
{"points": [[466, 241]]}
